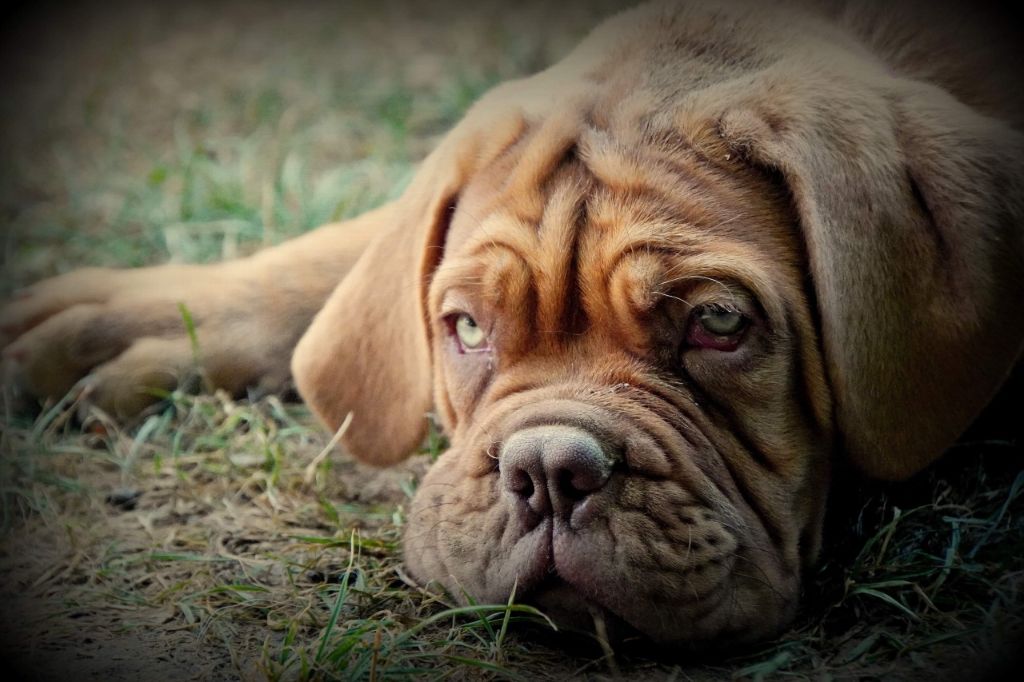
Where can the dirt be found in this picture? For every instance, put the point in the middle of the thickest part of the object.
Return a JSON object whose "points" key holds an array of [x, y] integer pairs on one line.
{"points": [[106, 592]]}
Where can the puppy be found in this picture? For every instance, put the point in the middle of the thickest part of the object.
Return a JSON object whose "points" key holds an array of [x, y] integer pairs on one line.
{"points": [[652, 293]]}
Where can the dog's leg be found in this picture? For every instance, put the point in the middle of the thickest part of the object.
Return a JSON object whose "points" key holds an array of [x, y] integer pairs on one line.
{"points": [[128, 332]]}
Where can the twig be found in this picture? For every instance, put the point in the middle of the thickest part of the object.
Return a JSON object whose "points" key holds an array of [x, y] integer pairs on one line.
{"points": [[312, 466]]}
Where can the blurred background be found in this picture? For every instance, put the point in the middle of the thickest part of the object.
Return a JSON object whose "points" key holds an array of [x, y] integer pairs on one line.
{"points": [[134, 133]]}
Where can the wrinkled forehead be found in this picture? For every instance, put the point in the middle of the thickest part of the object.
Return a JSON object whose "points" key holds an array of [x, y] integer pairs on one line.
{"points": [[582, 207]]}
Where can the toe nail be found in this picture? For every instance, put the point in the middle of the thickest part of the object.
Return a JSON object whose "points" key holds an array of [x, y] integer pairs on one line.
{"points": [[86, 387]]}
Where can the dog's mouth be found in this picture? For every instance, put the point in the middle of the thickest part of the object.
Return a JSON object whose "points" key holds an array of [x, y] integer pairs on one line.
{"points": [[574, 613], [633, 542], [647, 560], [562, 567], [571, 598], [559, 588]]}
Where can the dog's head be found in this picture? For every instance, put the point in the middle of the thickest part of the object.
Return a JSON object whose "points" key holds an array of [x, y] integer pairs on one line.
{"points": [[650, 312]]}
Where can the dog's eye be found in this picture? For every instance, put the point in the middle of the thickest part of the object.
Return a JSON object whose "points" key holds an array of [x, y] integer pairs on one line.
{"points": [[470, 335], [716, 327], [721, 321]]}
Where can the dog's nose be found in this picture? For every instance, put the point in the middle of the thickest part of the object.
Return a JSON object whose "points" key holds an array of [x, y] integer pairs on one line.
{"points": [[550, 469]]}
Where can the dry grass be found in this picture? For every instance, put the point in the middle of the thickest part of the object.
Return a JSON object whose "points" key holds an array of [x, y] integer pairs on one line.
{"points": [[191, 544]]}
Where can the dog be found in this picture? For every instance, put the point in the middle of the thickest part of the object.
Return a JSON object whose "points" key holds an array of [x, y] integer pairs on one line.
{"points": [[653, 295]]}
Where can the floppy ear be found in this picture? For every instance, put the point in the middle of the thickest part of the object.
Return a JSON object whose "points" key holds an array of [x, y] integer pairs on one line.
{"points": [[912, 208], [367, 350]]}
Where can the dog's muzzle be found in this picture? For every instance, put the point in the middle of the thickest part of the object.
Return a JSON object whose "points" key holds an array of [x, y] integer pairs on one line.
{"points": [[552, 471]]}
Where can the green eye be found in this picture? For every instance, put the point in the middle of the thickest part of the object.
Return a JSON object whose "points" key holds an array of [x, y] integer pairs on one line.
{"points": [[470, 334], [721, 321]]}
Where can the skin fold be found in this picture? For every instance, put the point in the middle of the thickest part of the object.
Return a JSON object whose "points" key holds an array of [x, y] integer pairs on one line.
{"points": [[652, 293]]}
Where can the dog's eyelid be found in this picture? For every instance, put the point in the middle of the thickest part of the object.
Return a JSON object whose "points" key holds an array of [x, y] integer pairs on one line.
{"points": [[466, 331], [454, 302], [719, 326], [757, 307], [719, 307]]}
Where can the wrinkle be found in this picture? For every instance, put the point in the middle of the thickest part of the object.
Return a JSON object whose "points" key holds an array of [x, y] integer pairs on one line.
{"points": [[754, 505], [566, 223]]}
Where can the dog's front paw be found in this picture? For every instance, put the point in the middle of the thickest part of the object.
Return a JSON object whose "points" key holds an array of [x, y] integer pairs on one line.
{"points": [[126, 337]]}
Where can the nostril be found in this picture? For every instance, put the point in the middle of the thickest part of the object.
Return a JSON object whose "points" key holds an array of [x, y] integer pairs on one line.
{"points": [[552, 469], [569, 489], [578, 482], [521, 484]]}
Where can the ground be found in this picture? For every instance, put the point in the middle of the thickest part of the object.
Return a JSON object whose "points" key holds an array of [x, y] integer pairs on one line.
{"points": [[216, 538]]}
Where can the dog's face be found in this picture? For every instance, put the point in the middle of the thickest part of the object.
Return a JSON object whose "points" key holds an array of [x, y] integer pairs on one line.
{"points": [[625, 360], [652, 296]]}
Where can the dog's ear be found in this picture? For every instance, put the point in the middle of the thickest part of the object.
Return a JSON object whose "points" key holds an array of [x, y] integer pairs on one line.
{"points": [[911, 205], [368, 349]]}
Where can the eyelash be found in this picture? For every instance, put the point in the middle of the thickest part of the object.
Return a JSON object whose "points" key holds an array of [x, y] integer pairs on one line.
{"points": [[718, 308]]}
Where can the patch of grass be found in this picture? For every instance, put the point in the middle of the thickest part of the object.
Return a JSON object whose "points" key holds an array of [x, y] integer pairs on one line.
{"points": [[915, 577], [229, 540]]}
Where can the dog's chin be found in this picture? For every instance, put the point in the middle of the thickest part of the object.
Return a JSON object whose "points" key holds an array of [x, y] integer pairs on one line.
{"points": [[585, 625], [588, 599], [648, 560], [575, 595], [589, 619], [572, 612]]}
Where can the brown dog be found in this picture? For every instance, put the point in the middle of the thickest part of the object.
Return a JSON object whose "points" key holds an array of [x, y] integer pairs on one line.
{"points": [[651, 292]]}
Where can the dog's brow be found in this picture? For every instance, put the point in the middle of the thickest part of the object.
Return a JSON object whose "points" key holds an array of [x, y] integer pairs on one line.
{"points": [[598, 201]]}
